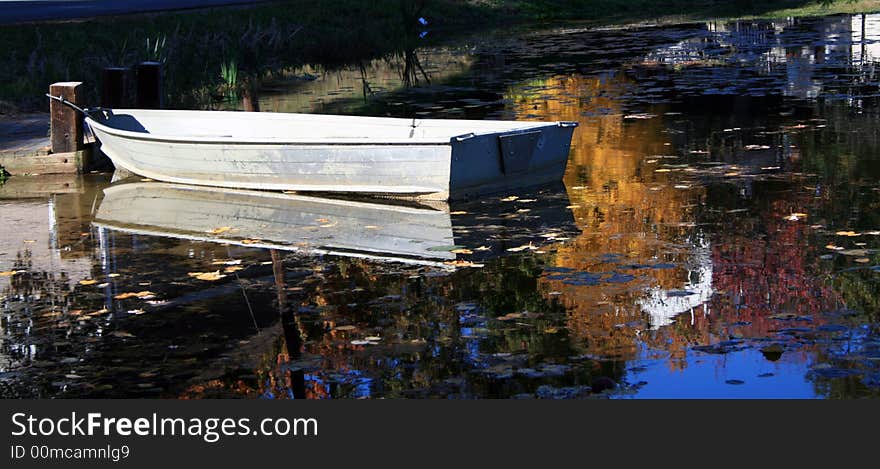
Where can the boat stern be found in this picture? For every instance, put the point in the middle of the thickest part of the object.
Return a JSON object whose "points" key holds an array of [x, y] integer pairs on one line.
{"points": [[502, 161]]}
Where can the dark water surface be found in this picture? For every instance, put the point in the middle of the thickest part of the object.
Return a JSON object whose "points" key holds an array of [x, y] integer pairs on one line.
{"points": [[716, 236]]}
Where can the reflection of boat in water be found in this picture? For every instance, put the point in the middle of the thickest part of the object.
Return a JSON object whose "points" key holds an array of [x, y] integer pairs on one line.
{"points": [[378, 229]]}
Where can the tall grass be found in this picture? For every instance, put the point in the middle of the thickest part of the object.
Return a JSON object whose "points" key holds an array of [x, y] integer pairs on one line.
{"points": [[194, 46]]}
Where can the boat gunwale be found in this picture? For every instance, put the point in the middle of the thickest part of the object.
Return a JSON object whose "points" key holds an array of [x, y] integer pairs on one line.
{"points": [[523, 126]]}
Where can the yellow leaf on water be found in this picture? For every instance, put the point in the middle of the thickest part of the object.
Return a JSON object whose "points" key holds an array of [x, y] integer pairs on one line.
{"points": [[227, 262], [9, 273], [510, 198], [141, 294], [460, 212], [511, 316], [463, 264], [847, 233], [523, 248], [232, 268], [483, 248], [250, 241], [30, 241], [207, 276], [862, 260], [461, 251], [113, 275], [833, 247], [88, 282], [220, 230]]}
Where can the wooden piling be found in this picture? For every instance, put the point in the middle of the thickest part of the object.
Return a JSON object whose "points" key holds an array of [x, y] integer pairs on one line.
{"points": [[65, 123], [114, 85], [149, 85]]}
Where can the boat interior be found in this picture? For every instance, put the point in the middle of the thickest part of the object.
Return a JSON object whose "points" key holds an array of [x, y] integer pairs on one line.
{"points": [[265, 126]]}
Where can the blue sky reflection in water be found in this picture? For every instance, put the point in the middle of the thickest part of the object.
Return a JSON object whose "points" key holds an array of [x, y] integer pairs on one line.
{"points": [[715, 236], [751, 376]]}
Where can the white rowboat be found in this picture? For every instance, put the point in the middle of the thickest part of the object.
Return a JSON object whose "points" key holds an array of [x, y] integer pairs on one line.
{"points": [[426, 158]]}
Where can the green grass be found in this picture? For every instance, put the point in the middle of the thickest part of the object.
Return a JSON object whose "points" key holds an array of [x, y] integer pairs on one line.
{"points": [[198, 46]]}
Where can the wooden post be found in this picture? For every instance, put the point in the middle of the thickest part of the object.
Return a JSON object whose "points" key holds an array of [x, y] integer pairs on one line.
{"points": [[66, 125], [114, 81], [149, 85]]}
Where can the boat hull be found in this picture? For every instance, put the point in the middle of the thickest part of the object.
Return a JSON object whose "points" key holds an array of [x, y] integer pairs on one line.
{"points": [[432, 168]]}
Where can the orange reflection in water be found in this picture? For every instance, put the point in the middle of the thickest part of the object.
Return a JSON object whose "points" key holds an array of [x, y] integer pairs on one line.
{"points": [[624, 207], [631, 213]]}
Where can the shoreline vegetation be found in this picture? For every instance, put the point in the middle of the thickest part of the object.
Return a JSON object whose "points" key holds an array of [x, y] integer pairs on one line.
{"points": [[228, 50]]}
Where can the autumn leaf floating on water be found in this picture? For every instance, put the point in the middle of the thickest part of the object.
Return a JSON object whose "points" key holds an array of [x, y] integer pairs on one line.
{"points": [[88, 282], [459, 263], [796, 217], [639, 116], [461, 251], [143, 295], [848, 233], [529, 246], [207, 276], [220, 230], [227, 262], [10, 273], [372, 340]]}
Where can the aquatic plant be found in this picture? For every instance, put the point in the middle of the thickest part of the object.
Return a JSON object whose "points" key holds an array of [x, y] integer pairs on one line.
{"points": [[156, 52], [229, 75]]}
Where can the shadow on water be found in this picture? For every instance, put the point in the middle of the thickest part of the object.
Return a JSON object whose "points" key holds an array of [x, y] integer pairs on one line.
{"points": [[715, 237]]}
